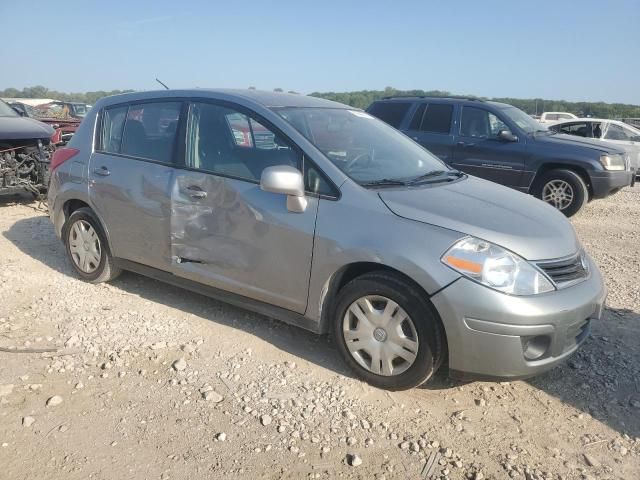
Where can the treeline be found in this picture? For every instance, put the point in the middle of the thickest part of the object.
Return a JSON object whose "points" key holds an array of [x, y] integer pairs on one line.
{"points": [[43, 92], [363, 98]]}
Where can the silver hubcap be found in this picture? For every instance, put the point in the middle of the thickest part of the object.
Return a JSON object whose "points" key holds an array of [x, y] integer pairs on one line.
{"points": [[558, 193], [380, 335], [84, 246]]}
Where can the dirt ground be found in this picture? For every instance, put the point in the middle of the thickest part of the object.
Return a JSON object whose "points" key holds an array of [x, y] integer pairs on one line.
{"points": [[153, 382]]}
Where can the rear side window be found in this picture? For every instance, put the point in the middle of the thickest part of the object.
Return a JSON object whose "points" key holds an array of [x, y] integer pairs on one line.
{"points": [[577, 129], [112, 127], [390, 112], [150, 130], [437, 118]]}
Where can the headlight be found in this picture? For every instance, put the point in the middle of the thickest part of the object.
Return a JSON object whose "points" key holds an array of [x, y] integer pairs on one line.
{"points": [[496, 267], [612, 162]]}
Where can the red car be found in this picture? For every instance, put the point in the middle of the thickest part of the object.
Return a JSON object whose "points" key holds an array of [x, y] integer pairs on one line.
{"points": [[51, 114]]}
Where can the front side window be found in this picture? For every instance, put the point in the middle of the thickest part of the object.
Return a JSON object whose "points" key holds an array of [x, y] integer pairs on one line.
{"points": [[480, 123], [227, 142], [363, 147], [390, 112]]}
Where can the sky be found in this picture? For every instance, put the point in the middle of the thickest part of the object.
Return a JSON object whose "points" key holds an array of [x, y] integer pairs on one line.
{"points": [[573, 50]]}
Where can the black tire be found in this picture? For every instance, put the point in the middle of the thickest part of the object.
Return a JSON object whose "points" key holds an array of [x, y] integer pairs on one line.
{"points": [[106, 269], [575, 181], [431, 341]]}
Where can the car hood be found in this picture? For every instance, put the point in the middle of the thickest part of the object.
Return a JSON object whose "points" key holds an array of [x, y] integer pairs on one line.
{"points": [[23, 128], [560, 139], [514, 220]]}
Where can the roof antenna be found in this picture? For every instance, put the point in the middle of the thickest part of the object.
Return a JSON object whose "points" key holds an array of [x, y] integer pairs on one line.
{"points": [[158, 80]]}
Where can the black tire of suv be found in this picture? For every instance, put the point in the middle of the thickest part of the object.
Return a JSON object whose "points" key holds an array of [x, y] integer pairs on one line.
{"points": [[580, 190], [107, 270], [431, 340]]}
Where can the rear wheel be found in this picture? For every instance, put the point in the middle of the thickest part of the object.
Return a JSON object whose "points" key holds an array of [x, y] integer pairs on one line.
{"points": [[387, 332], [562, 189], [87, 247]]}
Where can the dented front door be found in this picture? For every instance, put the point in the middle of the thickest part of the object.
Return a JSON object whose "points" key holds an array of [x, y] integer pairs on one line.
{"points": [[231, 235]]}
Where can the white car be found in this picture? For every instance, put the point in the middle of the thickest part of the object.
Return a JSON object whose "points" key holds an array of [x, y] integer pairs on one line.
{"points": [[609, 131], [553, 117]]}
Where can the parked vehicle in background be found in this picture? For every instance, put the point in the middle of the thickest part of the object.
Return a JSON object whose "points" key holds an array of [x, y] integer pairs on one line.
{"points": [[297, 227], [65, 126], [552, 117], [25, 149], [634, 122], [611, 131], [501, 143]]}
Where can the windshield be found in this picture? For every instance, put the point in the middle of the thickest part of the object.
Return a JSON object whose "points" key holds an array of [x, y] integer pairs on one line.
{"points": [[524, 121], [363, 147], [6, 110]]}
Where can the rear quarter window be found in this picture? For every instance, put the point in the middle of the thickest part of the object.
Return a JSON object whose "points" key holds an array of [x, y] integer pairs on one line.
{"points": [[390, 112]]}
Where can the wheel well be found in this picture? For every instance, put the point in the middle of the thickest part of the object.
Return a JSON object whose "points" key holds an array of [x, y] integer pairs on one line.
{"points": [[71, 206], [563, 166], [354, 270]]}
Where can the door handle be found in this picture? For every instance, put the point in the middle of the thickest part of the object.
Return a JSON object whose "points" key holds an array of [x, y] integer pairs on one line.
{"points": [[196, 192], [465, 144], [102, 171]]}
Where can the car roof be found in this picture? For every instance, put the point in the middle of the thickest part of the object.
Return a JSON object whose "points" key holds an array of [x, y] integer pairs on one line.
{"points": [[426, 98], [263, 98]]}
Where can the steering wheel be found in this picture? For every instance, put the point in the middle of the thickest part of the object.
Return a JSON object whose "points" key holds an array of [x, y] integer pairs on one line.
{"points": [[357, 159]]}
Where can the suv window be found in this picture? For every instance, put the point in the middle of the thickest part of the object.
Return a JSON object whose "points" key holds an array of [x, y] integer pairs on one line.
{"points": [[480, 123], [551, 116], [437, 118], [145, 130], [578, 129], [227, 142], [390, 112]]}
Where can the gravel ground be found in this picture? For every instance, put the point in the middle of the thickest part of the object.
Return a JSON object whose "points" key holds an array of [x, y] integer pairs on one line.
{"points": [[154, 382]]}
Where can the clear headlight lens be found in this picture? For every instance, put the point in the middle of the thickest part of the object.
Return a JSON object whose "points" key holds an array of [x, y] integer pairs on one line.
{"points": [[612, 162], [496, 267]]}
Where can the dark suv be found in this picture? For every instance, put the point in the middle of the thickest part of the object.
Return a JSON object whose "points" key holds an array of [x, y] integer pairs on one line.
{"points": [[503, 144]]}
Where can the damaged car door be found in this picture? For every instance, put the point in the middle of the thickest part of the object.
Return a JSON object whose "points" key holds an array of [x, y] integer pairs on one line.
{"points": [[226, 231]]}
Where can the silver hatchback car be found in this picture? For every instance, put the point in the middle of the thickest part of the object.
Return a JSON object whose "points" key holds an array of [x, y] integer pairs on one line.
{"points": [[322, 216]]}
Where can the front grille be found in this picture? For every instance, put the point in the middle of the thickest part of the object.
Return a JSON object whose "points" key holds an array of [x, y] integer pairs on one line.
{"points": [[566, 271]]}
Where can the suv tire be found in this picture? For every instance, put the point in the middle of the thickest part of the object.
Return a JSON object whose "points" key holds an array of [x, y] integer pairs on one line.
{"points": [[563, 189], [408, 339], [87, 247]]}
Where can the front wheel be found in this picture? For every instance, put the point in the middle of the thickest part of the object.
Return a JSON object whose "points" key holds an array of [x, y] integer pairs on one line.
{"points": [[387, 332], [562, 189]]}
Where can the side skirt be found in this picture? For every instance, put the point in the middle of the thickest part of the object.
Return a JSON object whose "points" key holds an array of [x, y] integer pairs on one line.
{"points": [[256, 306]]}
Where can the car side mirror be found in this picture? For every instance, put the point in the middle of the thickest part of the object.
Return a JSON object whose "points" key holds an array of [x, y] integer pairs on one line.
{"points": [[286, 181], [507, 136]]}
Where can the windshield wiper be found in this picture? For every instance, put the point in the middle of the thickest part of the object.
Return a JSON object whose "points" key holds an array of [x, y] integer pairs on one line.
{"points": [[383, 182], [435, 173]]}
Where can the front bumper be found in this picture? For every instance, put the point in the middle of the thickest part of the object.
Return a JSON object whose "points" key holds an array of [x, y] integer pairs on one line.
{"points": [[487, 330], [608, 183]]}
